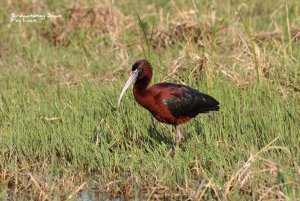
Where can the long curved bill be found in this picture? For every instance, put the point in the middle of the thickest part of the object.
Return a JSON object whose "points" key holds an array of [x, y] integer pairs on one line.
{"points": [[131, 79]]}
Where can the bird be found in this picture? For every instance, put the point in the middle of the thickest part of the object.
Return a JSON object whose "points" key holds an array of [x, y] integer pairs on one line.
{"points": [[168, 103]]}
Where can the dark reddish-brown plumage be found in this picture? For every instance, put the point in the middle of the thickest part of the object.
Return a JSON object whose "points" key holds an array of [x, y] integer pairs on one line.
{"points": [[167, 102]]}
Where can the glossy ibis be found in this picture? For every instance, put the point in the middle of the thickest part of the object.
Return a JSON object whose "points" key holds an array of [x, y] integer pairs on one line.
{"points": [[169, 103]]}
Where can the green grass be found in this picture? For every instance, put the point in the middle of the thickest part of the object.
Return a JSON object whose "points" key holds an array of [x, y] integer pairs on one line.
{"points": [[60, 128]]}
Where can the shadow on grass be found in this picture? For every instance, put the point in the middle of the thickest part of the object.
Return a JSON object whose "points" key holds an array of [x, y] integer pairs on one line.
{"points": [[159, 138], [162, 139], [199, 129]]}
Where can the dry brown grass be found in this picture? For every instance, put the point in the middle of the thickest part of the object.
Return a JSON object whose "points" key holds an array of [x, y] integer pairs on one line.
{"points": [[278, 35], [23, 182], [184, 27], [93, 20], [24, 6]]}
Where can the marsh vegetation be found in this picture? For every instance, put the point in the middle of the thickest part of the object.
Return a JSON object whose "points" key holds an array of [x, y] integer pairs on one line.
{"points": [[60, 78]]}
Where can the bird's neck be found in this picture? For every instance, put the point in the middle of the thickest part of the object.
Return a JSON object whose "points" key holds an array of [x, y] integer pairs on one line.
{"points": [[141, 85], [140, 91]]}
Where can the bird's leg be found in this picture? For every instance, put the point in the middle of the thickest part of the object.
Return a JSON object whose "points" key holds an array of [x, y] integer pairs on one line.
{"points": [[178, 134]]}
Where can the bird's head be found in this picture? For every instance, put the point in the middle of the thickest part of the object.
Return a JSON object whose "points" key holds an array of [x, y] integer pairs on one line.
{"points": [[141, 71], [142, 68]]}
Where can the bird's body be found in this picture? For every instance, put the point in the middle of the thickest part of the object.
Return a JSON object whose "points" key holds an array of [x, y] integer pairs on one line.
{"points": [[169, 103], [173, 103]]}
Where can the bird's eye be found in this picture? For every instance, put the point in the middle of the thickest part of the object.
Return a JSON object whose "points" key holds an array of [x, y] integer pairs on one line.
{"points": [[134, 67]]}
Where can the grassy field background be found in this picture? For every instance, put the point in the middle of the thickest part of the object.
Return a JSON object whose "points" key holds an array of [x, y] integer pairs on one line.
{"points": [[61, 133]]}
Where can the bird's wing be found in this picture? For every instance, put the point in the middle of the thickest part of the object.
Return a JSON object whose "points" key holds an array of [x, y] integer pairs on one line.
{"points": [[183, 101]]}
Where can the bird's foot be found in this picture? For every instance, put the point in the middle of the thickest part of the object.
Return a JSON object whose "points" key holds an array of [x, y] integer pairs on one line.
{"points": [[178, 140]]}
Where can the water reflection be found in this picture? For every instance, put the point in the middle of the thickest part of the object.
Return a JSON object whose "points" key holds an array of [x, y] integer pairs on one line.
{"points": [[92, 193]]}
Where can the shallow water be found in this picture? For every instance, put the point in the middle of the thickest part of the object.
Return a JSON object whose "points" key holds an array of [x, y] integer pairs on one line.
{"points": [[87, 195], [91, 193]]}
